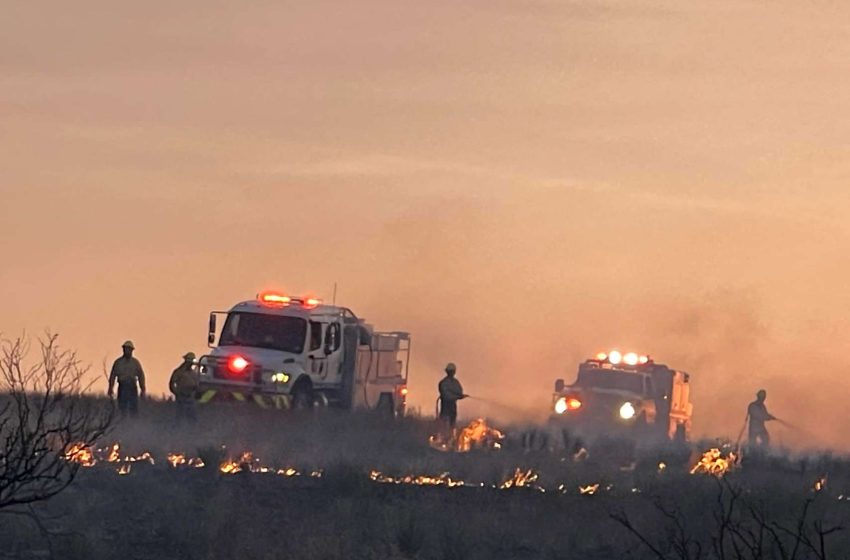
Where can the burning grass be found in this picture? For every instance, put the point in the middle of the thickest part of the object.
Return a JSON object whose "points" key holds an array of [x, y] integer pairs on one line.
{"points": [[385, 489], [477, 435], [715, 462]]}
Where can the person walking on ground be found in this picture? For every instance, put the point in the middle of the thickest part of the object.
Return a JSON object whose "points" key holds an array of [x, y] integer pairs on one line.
{"points": [[757, 415], [184, 385], [450, 392], [127, 370]]}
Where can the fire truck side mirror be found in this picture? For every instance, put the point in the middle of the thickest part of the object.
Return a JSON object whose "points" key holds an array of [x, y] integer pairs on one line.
{"points": [[211, 335], [365, 336], [559, 385]]}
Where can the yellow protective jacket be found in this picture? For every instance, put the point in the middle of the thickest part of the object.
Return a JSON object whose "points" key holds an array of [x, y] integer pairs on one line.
{"points": [[127, 370], [184, 382]]}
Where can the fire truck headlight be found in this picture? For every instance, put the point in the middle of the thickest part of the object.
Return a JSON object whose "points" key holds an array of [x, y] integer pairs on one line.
{"points": [[627, 411], [561, 405], [280, 377]]}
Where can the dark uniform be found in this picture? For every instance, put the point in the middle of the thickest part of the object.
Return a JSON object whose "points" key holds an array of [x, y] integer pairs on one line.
{"points": [[184, 385], [450, 392], [127, 370], [758, 415]]}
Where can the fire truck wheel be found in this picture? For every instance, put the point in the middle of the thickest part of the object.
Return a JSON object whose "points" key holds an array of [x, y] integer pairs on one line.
{"points": [[641, 426], [302, 397], [679, 434], [385, 405]]}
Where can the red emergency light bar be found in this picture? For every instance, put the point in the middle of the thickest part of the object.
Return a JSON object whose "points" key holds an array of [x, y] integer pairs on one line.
{"points": [[274, 298]]}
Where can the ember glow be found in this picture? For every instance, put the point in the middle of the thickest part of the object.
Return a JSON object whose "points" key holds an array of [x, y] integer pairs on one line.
{"points": [[588, 490], [179, 460], [443, 479], [714, 462]]}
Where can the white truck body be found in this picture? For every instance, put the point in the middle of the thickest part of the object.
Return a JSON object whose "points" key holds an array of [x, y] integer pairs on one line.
{"points": [[283, 352]]}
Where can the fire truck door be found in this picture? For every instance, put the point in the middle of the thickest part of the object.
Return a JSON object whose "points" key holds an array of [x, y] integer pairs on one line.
{"points": [[332, 348]]}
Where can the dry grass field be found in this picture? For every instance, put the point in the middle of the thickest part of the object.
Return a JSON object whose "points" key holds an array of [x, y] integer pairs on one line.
{"points": [[334, 487]]}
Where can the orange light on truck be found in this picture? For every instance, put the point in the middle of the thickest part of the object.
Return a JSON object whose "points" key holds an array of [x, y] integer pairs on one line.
{"points": [[565, 404], [275, 298], [311, 303]]}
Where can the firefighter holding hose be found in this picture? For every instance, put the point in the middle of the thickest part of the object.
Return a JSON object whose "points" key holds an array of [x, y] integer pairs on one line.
{"points": [[757, 415], [451, 391]]}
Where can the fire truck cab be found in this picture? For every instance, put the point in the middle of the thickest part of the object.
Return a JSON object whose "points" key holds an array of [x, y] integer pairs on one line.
{"points": [[625, 393], [282, 351]]}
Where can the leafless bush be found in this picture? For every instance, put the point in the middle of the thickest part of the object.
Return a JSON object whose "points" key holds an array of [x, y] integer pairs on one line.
{"points": [[738, 530], [43, 413]]}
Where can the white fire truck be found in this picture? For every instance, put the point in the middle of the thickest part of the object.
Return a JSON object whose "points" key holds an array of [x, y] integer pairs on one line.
{"points": [[618, 393], [282, 351]]}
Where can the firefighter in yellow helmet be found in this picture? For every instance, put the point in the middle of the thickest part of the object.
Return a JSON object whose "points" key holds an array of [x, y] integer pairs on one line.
{"points": [[451, 391], [127, 370], [757, 415], [184, 385]]}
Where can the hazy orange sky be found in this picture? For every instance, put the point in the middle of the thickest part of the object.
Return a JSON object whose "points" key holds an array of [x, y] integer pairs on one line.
{"points": [[518, 183]]}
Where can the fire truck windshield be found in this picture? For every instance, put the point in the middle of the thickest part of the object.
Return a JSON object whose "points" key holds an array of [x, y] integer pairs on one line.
{"points": [[610, 379], [257, 330]]}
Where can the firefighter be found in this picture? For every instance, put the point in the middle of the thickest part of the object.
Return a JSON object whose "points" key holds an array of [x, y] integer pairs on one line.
{"points": [[184, 385], [450, 392], [757, 414], [131, 379]]}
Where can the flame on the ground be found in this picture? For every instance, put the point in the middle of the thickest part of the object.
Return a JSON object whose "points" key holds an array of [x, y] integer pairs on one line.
{"points": [[588, 490], [179, 460], [146, 456], [124, 469], [580, 455], [114, 454], [248, 463], [520, 479], [477, 435], [419, 480], [81, 454], [820, 484], [714, 462], [244, 463]]}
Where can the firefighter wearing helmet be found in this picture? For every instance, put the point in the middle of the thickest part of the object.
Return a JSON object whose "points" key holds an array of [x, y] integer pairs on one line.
{"points": [[450, 392], [184, 385], [757, 414], [127, 370]]}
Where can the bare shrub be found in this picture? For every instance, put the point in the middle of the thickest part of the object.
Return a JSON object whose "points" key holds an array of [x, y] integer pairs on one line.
{"points": [[43, 413], [737, 530]]}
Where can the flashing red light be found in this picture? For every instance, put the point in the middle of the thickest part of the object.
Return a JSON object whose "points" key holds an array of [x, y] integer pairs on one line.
{"points": [[311, 303], [573, 403], [237, 364], [275, 298]]}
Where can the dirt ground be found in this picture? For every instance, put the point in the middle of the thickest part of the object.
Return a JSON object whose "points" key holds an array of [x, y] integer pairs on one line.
{"points": [[612, 503]]}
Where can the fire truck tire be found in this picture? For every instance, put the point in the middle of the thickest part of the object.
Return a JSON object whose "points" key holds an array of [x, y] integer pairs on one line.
{"points": [[302, 397], [385, 405], [641, 425]]}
